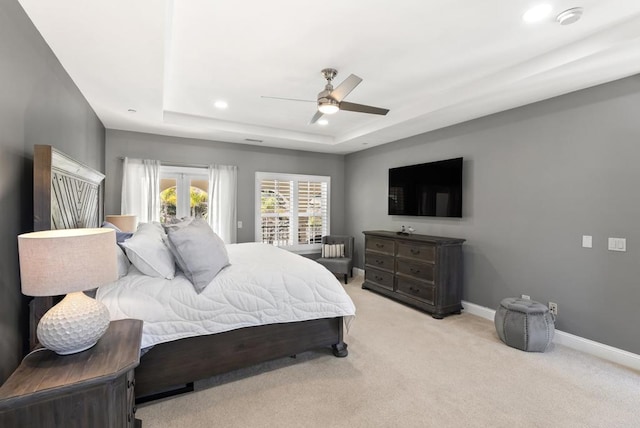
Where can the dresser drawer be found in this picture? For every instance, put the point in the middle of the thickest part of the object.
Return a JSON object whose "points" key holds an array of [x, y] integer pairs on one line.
{"points": [[380, 245], [418, 290], [379, 277], [379, 261], [424, 252], [421, 271]]}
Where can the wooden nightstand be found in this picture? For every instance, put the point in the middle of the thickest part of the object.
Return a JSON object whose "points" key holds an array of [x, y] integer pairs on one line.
{"points": [[93, 388]]}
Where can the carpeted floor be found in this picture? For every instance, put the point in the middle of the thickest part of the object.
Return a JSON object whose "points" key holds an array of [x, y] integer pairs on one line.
{"points": [[406, 369]]}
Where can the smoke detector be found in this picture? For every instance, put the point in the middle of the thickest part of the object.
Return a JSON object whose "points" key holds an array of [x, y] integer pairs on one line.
{"points": [[569, 16]]}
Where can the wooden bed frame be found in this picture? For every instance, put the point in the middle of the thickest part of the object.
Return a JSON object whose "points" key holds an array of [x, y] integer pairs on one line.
{"points": [[167, 366]]}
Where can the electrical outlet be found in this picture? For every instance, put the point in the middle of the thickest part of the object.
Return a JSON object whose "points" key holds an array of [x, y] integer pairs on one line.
{"points": [[553, 308], [526, 297]]}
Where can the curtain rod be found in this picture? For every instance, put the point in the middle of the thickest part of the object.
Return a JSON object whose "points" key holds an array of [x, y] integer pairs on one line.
{"points": [[186, 165]]}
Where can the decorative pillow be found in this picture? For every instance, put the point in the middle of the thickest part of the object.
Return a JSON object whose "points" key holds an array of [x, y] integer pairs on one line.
{"points": [[123, 262], [120, 235], [148, 252], [331, 251], [198, 251], [177, 223]]}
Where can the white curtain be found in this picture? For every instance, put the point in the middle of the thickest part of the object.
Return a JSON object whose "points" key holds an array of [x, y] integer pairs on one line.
{"points": [[222, 201], [141, 189]]}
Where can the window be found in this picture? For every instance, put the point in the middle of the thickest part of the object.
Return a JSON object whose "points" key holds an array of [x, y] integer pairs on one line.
{"points": [[292, 210], [183, 193]]}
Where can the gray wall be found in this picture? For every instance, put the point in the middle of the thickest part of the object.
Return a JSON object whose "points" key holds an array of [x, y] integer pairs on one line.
{"points": [[39, 104], [536, 179], [248, 158]]}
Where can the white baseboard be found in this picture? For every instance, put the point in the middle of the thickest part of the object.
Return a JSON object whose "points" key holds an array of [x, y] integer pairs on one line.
{"points": [[358, 272], [600, 350]]}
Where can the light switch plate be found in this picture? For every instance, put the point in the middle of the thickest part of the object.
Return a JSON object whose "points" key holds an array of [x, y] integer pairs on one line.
{"points": [[587, 241], [239, 225], [617, 244]]}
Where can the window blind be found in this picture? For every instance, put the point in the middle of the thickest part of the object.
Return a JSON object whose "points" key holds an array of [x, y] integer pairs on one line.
{"points": [[312, 212], [294, 209], [276, 211]]}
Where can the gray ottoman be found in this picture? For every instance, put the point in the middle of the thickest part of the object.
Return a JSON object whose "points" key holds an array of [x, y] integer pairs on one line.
{"points": [[524, 324]]}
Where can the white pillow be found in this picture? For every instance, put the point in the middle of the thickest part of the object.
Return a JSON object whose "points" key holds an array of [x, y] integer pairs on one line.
{"points": [[123, 262], [198, 251], [330, 251], [148, 252]]}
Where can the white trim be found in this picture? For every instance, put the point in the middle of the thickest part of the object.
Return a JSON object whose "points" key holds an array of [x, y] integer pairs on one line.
{"points": [[597, 349], [358, 271]]}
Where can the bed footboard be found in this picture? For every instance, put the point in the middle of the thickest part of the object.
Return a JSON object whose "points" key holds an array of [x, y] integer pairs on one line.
{"points": [[174, 364]]}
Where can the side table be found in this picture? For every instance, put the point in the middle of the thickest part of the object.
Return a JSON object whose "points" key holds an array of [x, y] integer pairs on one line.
{"points": [[93, 388]]}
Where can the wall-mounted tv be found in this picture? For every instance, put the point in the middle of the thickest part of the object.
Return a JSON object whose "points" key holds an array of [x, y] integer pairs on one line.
{"points": [[427, 189]]}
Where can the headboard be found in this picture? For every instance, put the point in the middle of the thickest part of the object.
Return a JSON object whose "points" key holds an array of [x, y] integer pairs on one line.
{"points": [[66, 194]]}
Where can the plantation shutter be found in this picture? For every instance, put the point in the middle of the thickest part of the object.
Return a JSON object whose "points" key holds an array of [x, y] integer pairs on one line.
{"points": [[292, 210], [276, 211], [312, 210]]}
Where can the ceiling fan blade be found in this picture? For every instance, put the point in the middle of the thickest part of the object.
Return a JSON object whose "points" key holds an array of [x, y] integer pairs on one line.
{"points": [[288, 99], [360, 108], [315, 117], [343, 89]]}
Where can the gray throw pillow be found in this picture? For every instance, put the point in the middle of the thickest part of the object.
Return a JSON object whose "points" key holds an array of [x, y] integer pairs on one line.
{"points": [[198, 251]]}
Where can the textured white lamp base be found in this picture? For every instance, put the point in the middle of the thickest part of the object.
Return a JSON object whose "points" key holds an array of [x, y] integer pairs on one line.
{"points": [[73, 325]]}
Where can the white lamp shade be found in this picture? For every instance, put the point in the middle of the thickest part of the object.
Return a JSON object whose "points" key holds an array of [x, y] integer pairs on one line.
{"points": [[56, 262], [124, 222]]}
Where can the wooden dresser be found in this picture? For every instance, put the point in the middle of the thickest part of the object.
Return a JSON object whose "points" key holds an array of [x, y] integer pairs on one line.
{"points": [[93, 388], [420, 270]]}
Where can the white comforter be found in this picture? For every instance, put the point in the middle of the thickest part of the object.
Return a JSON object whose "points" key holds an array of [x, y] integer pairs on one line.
{"points": [[263, 285]]}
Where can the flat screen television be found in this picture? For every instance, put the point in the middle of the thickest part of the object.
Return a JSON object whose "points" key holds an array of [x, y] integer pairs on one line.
{"points": [[427, 189]]}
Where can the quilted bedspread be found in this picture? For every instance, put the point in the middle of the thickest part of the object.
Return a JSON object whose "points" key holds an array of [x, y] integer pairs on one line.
{"points": [[263, 285]]}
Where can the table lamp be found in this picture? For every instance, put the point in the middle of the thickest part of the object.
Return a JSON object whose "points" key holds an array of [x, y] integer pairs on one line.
{"points": [[69, 261], [124, 222]]}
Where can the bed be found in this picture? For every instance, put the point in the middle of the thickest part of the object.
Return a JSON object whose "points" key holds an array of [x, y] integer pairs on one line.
{"points": [[176, 361]]}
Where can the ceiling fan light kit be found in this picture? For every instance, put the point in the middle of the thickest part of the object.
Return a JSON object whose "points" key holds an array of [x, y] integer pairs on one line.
{"points": [[328, 106]]}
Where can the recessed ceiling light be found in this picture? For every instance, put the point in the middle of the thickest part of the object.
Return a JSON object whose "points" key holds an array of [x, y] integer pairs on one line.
{"points": [[569, 16], [323, 122], [537, 13], [132, 110], [221, 104]]}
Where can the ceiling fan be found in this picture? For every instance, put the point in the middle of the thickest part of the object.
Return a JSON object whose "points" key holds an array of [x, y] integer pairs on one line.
{"points": [[330, 100]]}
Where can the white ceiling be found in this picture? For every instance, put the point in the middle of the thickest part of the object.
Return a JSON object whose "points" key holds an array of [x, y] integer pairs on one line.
{"points": [[432, 63]]}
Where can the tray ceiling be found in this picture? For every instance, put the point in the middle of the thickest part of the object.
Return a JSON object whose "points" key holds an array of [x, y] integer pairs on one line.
{"points": [[433, 64]]}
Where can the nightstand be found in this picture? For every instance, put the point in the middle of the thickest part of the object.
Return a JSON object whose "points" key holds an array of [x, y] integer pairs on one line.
{"points": [[93, 388]]}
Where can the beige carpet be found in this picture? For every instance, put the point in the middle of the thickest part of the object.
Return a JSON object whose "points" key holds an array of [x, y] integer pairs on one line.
{"points": [[406, 369]]}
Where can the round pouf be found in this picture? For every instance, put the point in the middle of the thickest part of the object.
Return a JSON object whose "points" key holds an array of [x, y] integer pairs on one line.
{"points": [[524, 324]]}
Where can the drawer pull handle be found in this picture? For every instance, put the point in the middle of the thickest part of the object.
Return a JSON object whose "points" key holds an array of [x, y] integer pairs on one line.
{"points": [[380, 262], [378, 278], [379, 245], [128, 417], [129, 384], [414, 290], [135, 409], [414, 251], [414, 270]]}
